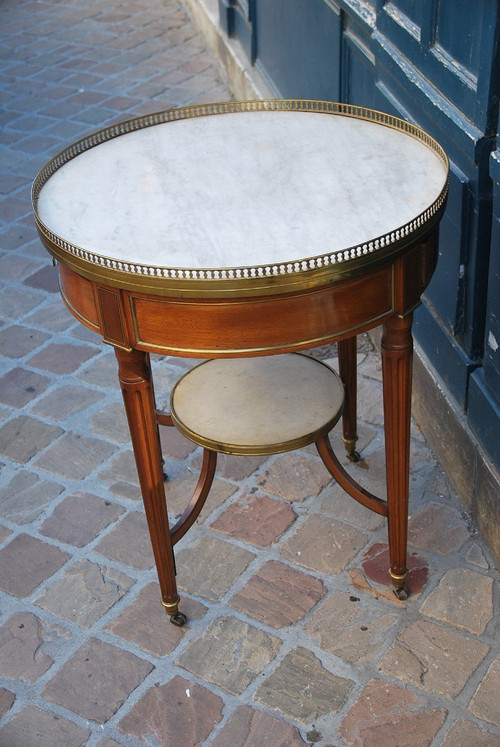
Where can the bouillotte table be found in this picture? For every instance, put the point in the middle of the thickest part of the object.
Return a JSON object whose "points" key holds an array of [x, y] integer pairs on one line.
{"points": [[238, 231]]}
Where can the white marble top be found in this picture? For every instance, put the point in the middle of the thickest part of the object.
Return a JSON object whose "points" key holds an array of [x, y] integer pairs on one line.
{"points": [[241, 189]]}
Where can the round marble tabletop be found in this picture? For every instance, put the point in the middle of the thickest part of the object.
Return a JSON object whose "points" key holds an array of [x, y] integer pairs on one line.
{"points": [[260, 189]]}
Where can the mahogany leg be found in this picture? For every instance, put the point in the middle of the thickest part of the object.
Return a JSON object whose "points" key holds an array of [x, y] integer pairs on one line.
{"points": [[347, 372], [134, 371], [397, 355]]}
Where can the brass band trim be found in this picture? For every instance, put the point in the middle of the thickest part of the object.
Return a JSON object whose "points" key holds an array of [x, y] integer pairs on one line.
{"points": [[247, 280]]}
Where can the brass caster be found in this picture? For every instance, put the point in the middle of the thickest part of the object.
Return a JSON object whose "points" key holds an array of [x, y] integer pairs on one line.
{"points": [[354, 456], [402, 594], [178, 619]]}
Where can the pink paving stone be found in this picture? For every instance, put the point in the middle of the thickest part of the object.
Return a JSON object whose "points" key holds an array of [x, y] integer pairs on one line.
{"points": [[385, 714], [376, 566], [6, 701], [44, 279], [486, 704], [145, 622], [34, 726], [180, 488], [22, 638], [437, 528], [97, 680], [61, 358], [129, 542], [177, 714], [278, 594], [249, 727], [255, 519], [80, 518], [27, 561]]}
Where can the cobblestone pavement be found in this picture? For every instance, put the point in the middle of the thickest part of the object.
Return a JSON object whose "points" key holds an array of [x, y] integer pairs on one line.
{"points": [[293, 636]]}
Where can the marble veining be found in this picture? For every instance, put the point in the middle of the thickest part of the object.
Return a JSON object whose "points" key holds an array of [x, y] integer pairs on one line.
{"points": [[241, 189]]}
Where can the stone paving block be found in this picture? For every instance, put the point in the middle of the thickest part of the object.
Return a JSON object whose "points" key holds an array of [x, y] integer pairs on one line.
{"points": [[437, 528], [376, 564], [385, 714], [65, 401], [96, 680], [17, 341], [475, 556], [26, 496], [85, 592], [6, 701], [278, 595], [128, 543], [33, 726], [230, 653], [21, 648], [302, 689], [209, 567], [80, 518], [294, 477], [485, 704], [111, 423], [463, 599], [176, 714], [16, 302], [74, 456], [4, 533], [180, 488], [102, 373], [466, 734], [249, 727], [46, 278], [350, 629], [174, 444], [433, 658], [19, 386], [27, 561], [53, 317], [61, 358], [145, 622], [340, 505], [257, 519], [234, 468], [121, 469], [323, 544]]}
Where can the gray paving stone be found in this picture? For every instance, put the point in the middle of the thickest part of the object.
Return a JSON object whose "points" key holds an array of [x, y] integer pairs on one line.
{"points": [[463, 599], [65, 401], [128, 542], [230, 653], [352, 630], [26, 496], [433, 658], [485, 704], [17, 341], [85, 592], [323, 544], [210, 567], [294, 477], [80, 518], [74, 456], [19, 386], [301, 688]]}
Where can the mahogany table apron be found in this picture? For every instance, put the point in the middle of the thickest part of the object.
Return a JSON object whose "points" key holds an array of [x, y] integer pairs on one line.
{"points": [[248, 229]]}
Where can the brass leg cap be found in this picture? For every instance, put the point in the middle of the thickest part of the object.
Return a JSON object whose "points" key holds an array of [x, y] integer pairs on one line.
{"points": [[398, 580]]}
